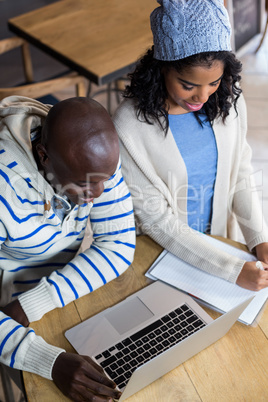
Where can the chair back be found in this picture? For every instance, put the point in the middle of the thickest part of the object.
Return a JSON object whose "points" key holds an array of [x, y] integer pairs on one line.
{"points": [[37, 89]]}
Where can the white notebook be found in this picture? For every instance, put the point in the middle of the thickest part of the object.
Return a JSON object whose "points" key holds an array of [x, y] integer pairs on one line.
{"points": [[220, 294]]}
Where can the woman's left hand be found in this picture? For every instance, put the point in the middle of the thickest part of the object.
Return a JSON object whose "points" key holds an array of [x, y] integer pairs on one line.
{"points": [[262, 252]]}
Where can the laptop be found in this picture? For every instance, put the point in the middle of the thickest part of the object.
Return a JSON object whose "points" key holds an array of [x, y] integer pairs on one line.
{"points": [[148, 334]]}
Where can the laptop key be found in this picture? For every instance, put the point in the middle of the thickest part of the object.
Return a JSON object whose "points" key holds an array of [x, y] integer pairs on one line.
{"points": [[166, 343], [128, 374], [113, 366], [126, 367], [108, 361], [146, 330], [119, 380], [172, 339], [120, 371], [133, 363], [126, 341], [110, 372], [153, 351], [140, 351], [197, 323], [140, 359], [166, 318], [192, 318], [127, 358], [188, 313], [106, 354], [178, 336], [145, 339]]}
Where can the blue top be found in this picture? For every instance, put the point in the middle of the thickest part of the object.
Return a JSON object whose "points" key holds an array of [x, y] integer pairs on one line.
{"points": [[198, 149]]}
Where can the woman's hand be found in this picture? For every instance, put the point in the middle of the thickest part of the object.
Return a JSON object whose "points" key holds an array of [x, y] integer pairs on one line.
{"points": [[80, 378], [253, 278], [262, 252]]}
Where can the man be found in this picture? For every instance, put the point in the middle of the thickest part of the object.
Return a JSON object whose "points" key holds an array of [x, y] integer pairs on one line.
{"points": [[58, 167]]}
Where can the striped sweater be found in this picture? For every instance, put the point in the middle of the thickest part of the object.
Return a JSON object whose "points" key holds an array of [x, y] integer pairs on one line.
{"points": [[39, 263]]}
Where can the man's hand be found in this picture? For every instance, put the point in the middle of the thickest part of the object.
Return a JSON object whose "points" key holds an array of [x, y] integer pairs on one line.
{"points": [[80, 378], [253, 278], [15, 311]]}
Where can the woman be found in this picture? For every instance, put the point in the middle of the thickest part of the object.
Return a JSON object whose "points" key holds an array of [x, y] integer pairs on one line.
{"points": [[185, 157]]}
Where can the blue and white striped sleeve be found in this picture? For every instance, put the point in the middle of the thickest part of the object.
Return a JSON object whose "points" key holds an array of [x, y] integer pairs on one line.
{"points": [[22, 349], [111, 253]]}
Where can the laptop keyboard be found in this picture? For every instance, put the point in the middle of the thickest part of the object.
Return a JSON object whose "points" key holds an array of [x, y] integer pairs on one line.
{"points": [[120, 360]]}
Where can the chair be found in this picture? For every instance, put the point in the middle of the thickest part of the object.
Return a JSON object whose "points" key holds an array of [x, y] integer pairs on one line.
{"points": [[40, 89]]}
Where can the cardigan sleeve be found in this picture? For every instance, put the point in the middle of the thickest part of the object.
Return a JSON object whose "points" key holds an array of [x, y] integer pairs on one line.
{"points": [[246, 204], [109, 255]]}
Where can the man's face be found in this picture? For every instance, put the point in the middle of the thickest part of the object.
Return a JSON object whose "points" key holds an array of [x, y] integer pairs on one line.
{"points": [[79, 186], [81, 177]]}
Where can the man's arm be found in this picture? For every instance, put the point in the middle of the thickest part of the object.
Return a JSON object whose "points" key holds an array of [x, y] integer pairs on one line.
{"points": [[76, 376], [109, 256]]}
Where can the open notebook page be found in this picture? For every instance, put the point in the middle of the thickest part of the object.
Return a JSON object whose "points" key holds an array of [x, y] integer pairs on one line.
{"points": [[217, 292]]}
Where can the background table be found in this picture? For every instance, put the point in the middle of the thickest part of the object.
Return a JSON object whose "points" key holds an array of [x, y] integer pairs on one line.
{"points": [[100, 39], [234, 369]]}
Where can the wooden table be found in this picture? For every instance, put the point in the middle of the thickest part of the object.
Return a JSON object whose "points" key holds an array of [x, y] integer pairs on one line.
{"points": [[99, 39], [235, 368]]}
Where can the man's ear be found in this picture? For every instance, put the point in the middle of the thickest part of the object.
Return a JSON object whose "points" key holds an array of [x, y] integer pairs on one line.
{"points": [[42, 153]]}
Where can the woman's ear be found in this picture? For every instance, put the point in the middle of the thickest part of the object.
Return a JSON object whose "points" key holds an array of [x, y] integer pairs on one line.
{"points": [[42, 153]]}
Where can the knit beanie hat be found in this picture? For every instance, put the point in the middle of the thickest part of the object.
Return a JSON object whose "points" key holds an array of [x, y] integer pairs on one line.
{"points": [[182, 28]]}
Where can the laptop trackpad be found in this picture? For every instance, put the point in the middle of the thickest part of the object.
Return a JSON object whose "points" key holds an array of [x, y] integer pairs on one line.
{"points": [[128, 315]]}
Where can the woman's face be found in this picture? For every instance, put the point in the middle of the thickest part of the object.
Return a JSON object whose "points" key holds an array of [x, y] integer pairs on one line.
{"points": [[190, 89]]}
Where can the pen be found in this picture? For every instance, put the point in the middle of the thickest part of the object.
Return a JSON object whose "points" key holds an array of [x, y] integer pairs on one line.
{"points": [[259, 265]]}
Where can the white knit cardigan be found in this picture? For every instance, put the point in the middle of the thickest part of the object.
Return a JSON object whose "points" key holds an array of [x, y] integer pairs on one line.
{"points": [[157, 178]]}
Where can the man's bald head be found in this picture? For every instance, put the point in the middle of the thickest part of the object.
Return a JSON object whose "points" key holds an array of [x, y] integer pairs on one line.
{"points": [[78, 123], [79, 141]]}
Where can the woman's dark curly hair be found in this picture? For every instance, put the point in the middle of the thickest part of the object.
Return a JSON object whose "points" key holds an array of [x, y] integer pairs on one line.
{"points": [[147, 86]]}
